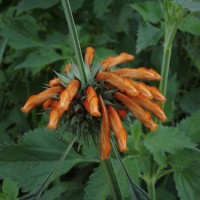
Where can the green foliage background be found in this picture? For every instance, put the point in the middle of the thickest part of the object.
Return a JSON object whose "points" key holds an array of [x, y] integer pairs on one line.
{"points": [[34, 41]]}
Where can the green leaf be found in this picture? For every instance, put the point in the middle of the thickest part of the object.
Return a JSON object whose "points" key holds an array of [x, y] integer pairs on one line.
{"points": [[99, 180], [187, 182], [189, 4], [184, 158], [147, 36], [100, 7], [194, 54], [191, 25], [166, 140], [32, 4], [31, 160], [75, 5], [62, 187], [39, 59], [190, 102], [10, 188], [164, 194], [149, 10], [24, 28], [191, 126]]}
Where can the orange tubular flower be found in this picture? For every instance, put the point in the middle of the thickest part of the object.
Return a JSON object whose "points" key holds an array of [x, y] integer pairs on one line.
{"points": [[89, 55], [36, 100], [118, 129], [112, 61], [151, 106], [122, 84], [47, 104], [137, 111], [93, 102], [140, 73], [105, 144], [54, 82], [122, 113], [157, 95], [67, 95], [115, 88], [54, 117]]}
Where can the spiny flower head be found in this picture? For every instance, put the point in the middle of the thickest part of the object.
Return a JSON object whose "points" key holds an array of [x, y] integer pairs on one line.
{"points": [[102, 103]]}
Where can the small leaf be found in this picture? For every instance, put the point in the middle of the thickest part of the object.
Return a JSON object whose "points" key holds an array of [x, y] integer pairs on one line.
{"points": [[191, 126], [75, 5], [25, 5], [166, 140], [41, 58], [189, 4], [190, 102], [149, 10], [187, 182], [147, 35], [24, 28], [10, 188], [191, 25], [101, 6], [75, 71]]}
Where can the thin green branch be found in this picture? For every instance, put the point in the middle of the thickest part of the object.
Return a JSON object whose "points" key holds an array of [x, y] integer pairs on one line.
{"points": [[65, 153], [112, 180], [73, 32]]}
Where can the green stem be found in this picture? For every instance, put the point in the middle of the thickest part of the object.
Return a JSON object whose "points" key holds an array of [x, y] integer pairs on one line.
{"points": [[46, 182], [151, 189], [112, 180], [73, 32], [2, 49]]}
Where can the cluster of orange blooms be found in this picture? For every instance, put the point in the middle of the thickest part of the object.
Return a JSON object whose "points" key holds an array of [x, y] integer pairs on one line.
{"points": [[140, 99]]}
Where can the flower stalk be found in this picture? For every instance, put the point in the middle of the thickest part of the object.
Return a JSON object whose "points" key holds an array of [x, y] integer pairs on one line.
{"points": [[73, 33], [112, 180]]}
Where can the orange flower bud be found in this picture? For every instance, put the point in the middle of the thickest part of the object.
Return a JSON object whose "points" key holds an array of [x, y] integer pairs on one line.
{"points": [[136, 110], [54, 103], [47, 104], [121, 58], [54, 82], [157, 95], [85, 104], [89, 55], [67, 95], [36, 100], [151, 106], [122, 113], [123, 84], [93, 101], [140, 73], [105, 145], [120, 132], [54, 117]]}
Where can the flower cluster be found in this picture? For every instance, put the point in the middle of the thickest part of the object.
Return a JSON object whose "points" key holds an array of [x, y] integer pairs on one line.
{"points": [[106, 98]]}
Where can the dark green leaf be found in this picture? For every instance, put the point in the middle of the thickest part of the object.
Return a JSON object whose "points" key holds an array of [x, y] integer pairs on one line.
{"points": [[191, 126], [31, 160], [187, 182], [75, 5], [190, 102], [101, 6], [191, 25], [149, 10], [39, 60], [32, 4], [20, 31], [189, 4], [10, 188], [166, 139], [147, 35]]}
